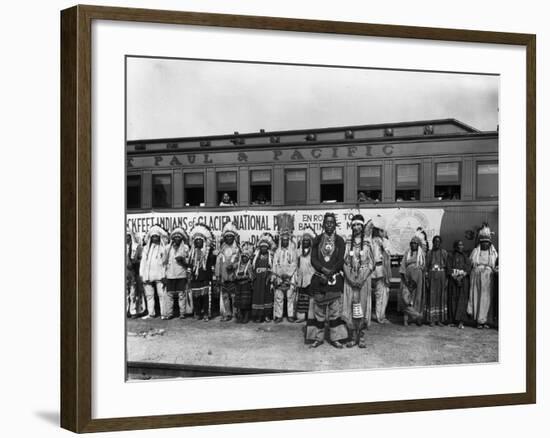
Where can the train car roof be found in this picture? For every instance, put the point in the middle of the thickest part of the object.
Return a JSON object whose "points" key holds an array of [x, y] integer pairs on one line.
{"points": [[347, 133]]}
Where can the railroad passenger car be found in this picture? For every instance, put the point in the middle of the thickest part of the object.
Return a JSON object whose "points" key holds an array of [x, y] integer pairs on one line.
{"points": [[421, 165]]}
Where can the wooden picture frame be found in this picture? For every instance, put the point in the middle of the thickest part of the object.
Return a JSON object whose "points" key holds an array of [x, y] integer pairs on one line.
{"points": [[76, 217]]}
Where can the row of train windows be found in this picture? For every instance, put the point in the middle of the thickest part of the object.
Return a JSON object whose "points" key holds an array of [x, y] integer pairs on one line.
{"points": [[369, 185]]}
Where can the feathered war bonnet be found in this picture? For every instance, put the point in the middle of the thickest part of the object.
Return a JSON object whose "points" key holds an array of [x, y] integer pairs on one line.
{"points": [[309, 232], [367, 230], [157, 230], [200, 232], [378, 222], [285, 224], [179, 232], [130, 232], [484, 234], [230, 229], [419, 237], [135, 241], [266, 239], [247, 248]]}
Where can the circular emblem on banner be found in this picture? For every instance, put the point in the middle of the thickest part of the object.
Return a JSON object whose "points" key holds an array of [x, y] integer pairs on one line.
{"points": [[402, 226]]}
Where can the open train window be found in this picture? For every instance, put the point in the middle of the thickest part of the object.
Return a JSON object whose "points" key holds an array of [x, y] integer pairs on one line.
{"points": [[227, 188], [408, 183], [162, 191], [133, 191], [332, 184], [260, 187], [193, 191], [369, 184], [295, 186], [487, 180], [447, 181]]}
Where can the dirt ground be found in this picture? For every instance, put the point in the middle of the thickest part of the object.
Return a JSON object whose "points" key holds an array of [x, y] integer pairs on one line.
{"points": [[281, 346]]}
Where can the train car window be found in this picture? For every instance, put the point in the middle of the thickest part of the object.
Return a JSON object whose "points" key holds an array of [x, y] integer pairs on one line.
{"points": [[133, 191], [369, 184], [487, 180], [227, 188], [162, 191], [408, 183], [447, 181], [193, 191], [332, 184], [260, 187], [295, 186]]}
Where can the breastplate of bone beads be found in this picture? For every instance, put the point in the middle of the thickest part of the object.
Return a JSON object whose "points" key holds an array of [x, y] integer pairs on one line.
{"points": [[327, 247]]}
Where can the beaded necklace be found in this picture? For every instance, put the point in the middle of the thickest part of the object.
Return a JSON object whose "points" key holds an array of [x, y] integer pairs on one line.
{"points": [[328, 246]]}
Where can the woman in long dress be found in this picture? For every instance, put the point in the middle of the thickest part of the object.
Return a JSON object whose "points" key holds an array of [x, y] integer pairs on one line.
{"points": [[436, 288], [412, 299], [357, 300], [458, 270]]}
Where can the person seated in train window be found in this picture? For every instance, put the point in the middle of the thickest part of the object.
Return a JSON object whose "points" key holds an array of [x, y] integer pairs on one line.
{"points": [[442, 195], [399, 199], [227, 201], [260, 199], [362, 197]]}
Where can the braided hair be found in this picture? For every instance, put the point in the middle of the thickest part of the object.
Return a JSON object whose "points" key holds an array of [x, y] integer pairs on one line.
{"points": [[359, 217]]}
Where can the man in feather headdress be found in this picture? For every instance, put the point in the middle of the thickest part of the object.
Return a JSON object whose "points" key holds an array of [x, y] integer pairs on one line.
{"points": [[262, 293], [243, 283], [483, 260], [284, 268], [201, 269], [226, 264], [176, 272], [152, 268], [327, 285]]}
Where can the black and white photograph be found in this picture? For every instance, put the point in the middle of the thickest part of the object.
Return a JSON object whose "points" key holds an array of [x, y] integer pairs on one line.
{"points": [[285, 218]]}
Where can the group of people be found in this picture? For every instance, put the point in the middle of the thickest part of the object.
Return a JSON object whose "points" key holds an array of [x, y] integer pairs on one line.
{"points": [[444, 288], [330, 284]]}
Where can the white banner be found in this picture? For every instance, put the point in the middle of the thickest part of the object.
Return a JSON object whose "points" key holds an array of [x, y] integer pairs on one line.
{"points": [[401, 223]]}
